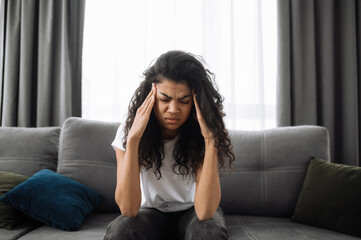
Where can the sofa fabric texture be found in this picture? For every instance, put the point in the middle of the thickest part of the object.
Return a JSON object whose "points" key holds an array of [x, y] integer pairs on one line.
{"points": [[242, 227], [85, 155], [27, 150], [270, 168], [259, 193]]}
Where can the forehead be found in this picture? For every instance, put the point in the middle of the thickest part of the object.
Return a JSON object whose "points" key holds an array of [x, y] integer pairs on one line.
{"points": [[170, 87]]}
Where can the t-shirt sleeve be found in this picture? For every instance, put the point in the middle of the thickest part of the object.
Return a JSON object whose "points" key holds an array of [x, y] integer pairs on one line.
{"points": [[118, 143]]}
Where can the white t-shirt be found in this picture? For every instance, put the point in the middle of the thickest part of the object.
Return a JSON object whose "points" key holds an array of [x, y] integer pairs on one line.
{"points": [[171, 192]]}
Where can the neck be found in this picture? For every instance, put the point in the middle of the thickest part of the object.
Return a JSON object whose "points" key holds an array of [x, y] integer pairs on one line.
{"points": [[169, 134]]}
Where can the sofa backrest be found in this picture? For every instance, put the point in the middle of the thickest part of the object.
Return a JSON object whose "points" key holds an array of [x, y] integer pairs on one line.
{"points": [[85, 155], [28, 150], [266, 178], [270, 169]]}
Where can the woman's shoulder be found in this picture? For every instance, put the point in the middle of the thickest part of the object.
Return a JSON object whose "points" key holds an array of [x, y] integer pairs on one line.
{"points": [[118, 140]]}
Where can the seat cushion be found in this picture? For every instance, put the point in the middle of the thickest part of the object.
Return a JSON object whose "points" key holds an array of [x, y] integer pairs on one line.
{"points": [[239, 228], [19, 230], [273, 228], [94, 227]]}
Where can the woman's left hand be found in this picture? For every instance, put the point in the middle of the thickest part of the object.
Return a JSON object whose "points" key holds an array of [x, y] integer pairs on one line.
{"points": [[206, 132]]}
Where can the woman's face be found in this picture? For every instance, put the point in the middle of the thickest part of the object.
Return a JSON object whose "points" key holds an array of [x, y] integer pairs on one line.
{"points": [[172, 107]]}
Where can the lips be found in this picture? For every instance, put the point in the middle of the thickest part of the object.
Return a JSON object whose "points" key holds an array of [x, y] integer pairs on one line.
{"points": [[172, 120]]}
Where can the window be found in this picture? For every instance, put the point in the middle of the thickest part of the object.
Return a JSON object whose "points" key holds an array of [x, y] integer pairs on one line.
{"points": [[237, 39]]}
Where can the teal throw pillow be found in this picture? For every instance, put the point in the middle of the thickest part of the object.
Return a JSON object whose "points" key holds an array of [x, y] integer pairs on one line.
{"points": [[53, 199], [331, 197]]}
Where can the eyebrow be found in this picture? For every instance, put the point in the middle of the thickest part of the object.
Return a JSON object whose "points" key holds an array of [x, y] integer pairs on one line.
{"points": [[165, 95]]}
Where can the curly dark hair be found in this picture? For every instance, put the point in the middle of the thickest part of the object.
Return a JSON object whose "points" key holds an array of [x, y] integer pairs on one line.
{"points": [[179, 66]]}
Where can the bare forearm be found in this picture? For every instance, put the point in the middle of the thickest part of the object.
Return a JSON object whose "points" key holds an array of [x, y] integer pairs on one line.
{"points": [[128, 193], [208, 191]]}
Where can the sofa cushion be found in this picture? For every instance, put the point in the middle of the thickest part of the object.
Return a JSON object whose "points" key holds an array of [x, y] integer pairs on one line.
{"points": [[27, 150], [269, 170], [94, 227], [266, 228], [86, 155], [20, 230], [53, 199], [331, 197], [9, 217]]}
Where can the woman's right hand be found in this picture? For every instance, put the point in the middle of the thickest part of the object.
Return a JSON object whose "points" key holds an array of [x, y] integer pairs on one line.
{"points": [[142, 116]]}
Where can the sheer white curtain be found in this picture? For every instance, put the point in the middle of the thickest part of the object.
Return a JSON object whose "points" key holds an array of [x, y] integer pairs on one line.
{"points": [[237, 39]]}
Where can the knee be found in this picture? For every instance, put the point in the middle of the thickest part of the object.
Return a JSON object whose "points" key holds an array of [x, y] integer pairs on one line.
{"points": [[201, 227], [124, 228], [206, 229]]}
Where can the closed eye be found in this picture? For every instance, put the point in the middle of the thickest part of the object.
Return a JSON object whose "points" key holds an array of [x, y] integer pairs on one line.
{"points": [[167, 100]]}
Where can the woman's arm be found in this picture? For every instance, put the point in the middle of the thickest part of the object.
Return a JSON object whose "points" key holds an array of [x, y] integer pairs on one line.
{"points": [[127, 193], [208, 189]]}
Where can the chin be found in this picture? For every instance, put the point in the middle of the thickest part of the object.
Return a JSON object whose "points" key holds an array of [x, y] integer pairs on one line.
{"points": [[172, 127]]}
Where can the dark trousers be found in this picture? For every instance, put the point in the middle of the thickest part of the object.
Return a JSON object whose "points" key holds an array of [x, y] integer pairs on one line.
{"points": [[152, 224]]}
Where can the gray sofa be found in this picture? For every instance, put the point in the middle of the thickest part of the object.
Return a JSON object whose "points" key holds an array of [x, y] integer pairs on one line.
{"points": [[258, 195]]}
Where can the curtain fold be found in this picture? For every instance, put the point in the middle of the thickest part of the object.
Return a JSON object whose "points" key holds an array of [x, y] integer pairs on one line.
{"points": [[40, 71], [319, 70]]}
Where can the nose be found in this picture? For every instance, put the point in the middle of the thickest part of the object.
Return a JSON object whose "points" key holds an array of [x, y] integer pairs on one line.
{"points": [[173, 107]]}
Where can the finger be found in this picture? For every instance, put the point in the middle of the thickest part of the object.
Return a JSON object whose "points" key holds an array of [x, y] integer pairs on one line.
{"points": [[152, 99], [150, 105], [154, 90], [146, 104], [150, 102], [150, 93]]}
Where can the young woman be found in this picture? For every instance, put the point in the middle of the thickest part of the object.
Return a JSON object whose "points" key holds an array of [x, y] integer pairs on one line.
{"points": [[169, 153]]}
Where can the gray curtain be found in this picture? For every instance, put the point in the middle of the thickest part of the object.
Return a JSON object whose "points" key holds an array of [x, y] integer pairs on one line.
{"points": [[320, 70], [40, 61]]}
